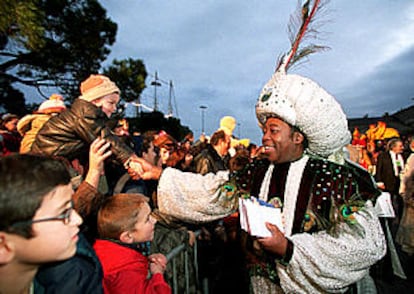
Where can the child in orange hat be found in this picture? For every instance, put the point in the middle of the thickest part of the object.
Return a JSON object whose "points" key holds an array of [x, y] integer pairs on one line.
{"points": [[70, 133]]}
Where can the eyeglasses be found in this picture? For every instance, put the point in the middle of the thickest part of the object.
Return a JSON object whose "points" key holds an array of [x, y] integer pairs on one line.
{"points": [[64, 217]]}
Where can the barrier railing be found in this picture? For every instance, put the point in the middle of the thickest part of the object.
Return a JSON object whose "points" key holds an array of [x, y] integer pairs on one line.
{"points": [[171, 257]]}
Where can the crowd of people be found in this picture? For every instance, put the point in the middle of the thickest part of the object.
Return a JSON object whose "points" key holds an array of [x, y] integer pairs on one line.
{"points": [[138, 197]]}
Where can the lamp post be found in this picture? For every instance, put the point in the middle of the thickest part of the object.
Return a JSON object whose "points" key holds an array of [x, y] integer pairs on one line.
{"points": [[156, 84], [203, 108]]}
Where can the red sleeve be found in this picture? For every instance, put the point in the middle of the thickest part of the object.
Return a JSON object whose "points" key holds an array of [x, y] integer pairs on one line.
{"points": [[157, 285]]}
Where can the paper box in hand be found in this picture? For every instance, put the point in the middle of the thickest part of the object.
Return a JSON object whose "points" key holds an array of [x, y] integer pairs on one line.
{"points": [[254, 215]]}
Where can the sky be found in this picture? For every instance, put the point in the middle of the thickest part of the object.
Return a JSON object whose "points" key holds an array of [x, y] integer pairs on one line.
{"points": [[220, 53]]}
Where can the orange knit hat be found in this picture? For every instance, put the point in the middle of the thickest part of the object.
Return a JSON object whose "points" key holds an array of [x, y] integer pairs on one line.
{"points": [[97, 86], [54, 104]]}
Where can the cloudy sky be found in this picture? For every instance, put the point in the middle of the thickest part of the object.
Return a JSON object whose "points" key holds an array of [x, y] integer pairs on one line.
{"points": [[219, 53]]}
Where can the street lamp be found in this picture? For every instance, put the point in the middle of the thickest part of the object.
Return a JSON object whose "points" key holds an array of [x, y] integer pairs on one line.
{"points": [[156, 84], [203, 108]]}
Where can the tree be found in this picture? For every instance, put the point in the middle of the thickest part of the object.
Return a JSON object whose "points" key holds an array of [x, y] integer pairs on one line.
{"points": [[129, 75], [11, 99], [52, 43], [21, 21]]}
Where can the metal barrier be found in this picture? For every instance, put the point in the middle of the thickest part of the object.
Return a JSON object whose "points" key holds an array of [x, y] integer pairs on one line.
{"points": [[171, 256]]}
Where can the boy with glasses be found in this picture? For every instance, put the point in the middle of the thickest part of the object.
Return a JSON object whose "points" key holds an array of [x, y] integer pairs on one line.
{"points": [[37, 221], [81, 273]]}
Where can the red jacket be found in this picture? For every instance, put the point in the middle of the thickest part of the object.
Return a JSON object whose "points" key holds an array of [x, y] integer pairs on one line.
{"points": [[126, 270]]}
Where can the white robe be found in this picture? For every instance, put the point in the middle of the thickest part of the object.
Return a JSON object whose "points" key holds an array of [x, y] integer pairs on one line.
{"points": [[192, 197], [320, 262]]}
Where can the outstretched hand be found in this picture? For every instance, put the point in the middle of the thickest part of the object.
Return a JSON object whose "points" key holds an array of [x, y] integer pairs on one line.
{"points": [[140, 168], [275, 244]]}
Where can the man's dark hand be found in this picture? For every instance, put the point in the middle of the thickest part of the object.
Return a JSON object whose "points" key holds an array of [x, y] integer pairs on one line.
{"points": [[275, 244]]}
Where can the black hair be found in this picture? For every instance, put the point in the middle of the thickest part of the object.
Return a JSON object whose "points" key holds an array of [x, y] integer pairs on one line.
{"points": [[24, 181]]}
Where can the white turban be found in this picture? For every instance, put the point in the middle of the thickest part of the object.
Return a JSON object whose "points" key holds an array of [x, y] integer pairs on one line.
{"points": [[304, 104]]}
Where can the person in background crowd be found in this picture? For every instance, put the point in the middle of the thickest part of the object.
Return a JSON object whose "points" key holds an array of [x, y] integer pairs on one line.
{"points": [[30, 124], [150, 153], [409, 150], [253, 150], [199, 145], [214, 157], [408, 167], [10, 136], [148, 150], [184, 152], [358, 151], [38, 224], [390, 165], [122, 131], [117, 177], [188, 140], [166, 145], [405, 233]]}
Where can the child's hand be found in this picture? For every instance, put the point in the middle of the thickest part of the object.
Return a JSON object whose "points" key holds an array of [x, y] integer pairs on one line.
{"points": [[98, 152], [158, 263]]}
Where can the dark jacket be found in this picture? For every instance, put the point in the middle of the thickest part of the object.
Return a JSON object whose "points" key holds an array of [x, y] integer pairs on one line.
{"points": [[209, 161], [168, 234], [385, 173], [81, 274], [9, 142], [70, 133]]}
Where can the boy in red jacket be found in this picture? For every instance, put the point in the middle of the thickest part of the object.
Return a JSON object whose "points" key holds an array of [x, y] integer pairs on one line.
{"points": [[125, 228]]}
